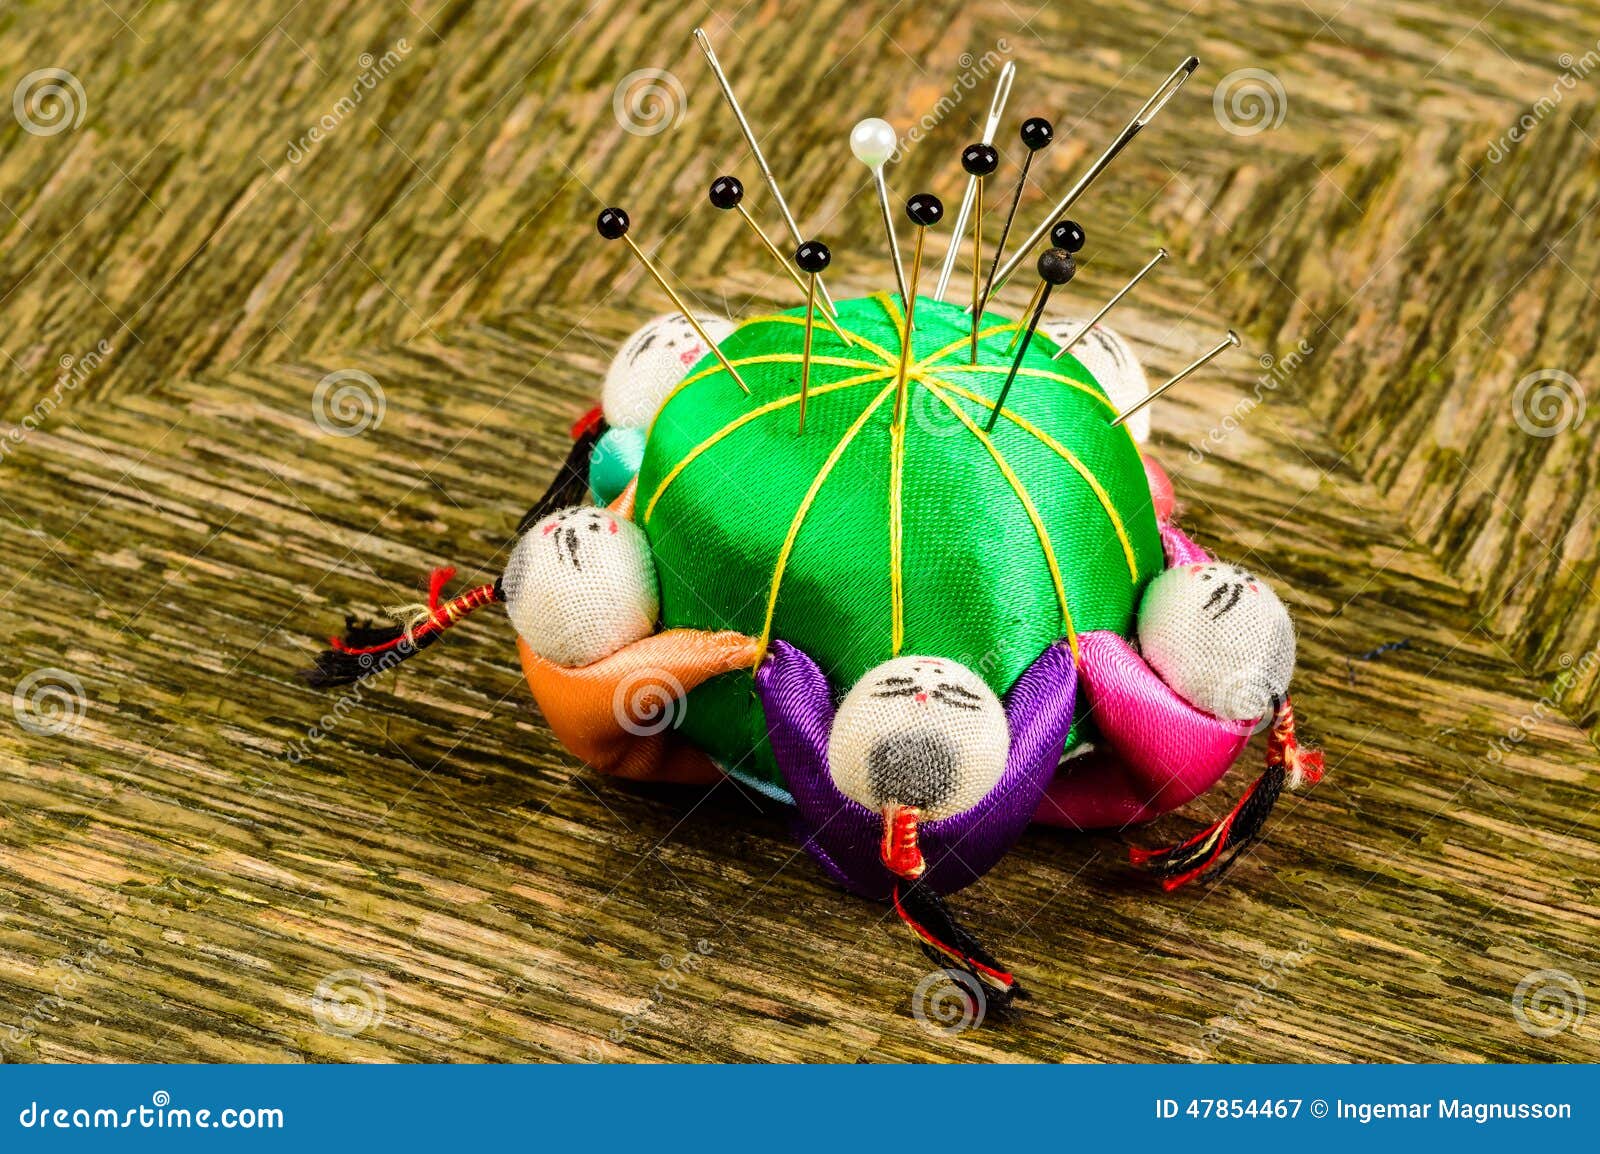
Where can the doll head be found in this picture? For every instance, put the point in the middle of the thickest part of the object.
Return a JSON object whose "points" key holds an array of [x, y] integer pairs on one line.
{"points": [[1113, 363], [1219, 636], [581, 585], [921, 733], [650, 364]]}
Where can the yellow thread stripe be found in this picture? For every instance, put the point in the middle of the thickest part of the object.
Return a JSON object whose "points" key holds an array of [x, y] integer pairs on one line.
{"points": [[1067, 455], [965, 343], [771, 359], [763, 359], [897, 465], [753, 414], [1025, 371], [779, 319], [805, 507], [896, 318], [1021, 491]]}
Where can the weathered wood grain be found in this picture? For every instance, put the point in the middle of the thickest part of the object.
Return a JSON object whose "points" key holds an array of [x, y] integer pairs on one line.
{"points": [[186, 864]]}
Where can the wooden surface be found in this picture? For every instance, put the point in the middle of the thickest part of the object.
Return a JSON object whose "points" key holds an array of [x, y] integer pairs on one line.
{"points": [[185, 868]]}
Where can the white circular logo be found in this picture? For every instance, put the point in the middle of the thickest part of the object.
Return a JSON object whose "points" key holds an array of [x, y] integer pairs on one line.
{"points": [[347, 403], [1249, 101], [648, 701], [649, 101], [346, 1002], [1548, 402], [49, 702], [48, 102], [949, 1002], [932, 415], [1547, 1002]]}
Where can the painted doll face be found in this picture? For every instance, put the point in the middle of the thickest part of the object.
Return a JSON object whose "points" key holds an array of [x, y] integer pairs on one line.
{"points": [[920, 732], [1219, 636], [581, 585], [649, 366]]}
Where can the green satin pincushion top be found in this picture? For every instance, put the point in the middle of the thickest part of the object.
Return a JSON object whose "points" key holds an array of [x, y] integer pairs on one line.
{"points": [[864, 537]]}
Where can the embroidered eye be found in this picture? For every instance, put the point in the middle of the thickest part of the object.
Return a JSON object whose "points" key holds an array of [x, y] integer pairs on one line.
{"points": [[956, 696]]}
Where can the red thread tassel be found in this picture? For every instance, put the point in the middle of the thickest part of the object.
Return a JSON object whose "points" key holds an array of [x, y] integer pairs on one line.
{"points": [[900, 851], [1209, 853], [365, 649]]}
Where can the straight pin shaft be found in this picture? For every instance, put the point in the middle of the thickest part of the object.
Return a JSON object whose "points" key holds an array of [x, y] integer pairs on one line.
{"points": [[704, 42], [1228, 342], [1161, 255]]}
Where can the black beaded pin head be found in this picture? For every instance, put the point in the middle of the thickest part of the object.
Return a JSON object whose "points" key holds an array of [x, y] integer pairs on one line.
{"points": [[1036, 133], [1067, 236], [613, 224], [924, 210], [980, 160], [1161, 255], [1056, 268], [727, 193], [812, 257]]}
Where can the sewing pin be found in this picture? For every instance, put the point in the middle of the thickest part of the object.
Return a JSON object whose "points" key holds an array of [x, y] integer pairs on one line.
{"points": [[1229, 342], [1169, 88], [612, 224], [923, 210], [980, 160], [812, 257], [873, 141], [727, 192], [1037, 133], [1056, 268], [997, 107], [704, 42], [1161, 255], [1067, 234]]}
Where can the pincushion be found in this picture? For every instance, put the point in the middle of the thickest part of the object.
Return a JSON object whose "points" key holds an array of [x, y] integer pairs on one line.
{"points": [[856, 545], [884, 563]]}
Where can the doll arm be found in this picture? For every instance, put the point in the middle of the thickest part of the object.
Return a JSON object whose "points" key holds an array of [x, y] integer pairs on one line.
{"points": [[1168, 751]]}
